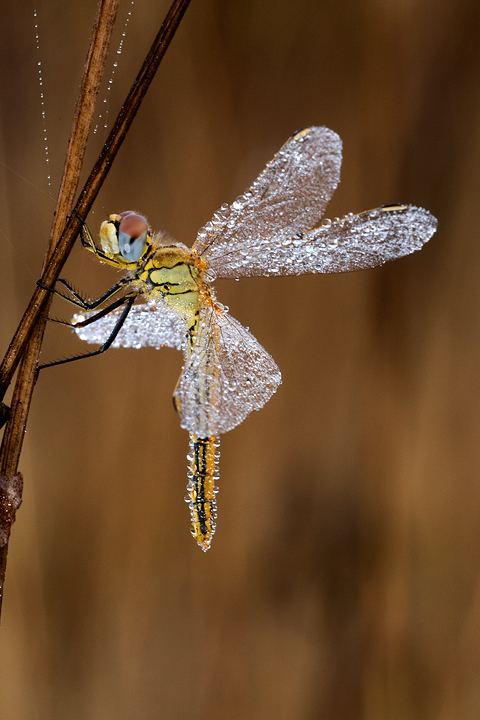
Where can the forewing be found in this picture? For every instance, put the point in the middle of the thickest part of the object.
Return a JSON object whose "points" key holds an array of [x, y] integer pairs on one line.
{"points": [[290, 196], [153, 325], [353, 242], [228, 375]]}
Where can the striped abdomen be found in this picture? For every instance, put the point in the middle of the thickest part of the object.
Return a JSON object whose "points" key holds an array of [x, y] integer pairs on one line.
{"points": [[202, 470]]}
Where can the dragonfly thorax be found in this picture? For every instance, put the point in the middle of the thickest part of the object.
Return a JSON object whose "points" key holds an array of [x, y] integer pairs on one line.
{"points": [[172, 275]]}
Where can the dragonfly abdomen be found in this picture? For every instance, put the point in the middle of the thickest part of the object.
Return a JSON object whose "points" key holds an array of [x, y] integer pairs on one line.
{"points": [[203, 462]]}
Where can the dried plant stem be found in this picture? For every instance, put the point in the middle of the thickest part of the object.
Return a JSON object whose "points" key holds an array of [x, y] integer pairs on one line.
{"points": [[84, 110], [28, 337], [20, 406]]}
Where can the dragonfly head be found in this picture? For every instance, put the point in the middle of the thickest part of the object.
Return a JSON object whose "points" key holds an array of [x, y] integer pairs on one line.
{"points": [[125, 238]]}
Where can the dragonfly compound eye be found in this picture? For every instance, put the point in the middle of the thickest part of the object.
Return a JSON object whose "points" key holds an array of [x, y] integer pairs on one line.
{"points": [[132, 236]]}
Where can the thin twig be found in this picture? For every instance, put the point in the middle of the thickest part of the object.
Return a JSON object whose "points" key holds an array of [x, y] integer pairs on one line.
{"points": [[31, 327]]}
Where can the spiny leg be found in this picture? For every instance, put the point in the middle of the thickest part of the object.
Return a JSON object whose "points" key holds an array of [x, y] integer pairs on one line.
{"points": [[80, 302], [202, 470], [128, 300], [98, 315], [89, 243]]}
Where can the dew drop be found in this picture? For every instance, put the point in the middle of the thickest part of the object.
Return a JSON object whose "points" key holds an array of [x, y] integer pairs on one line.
{"points": [[42, 96], [104, 115]]}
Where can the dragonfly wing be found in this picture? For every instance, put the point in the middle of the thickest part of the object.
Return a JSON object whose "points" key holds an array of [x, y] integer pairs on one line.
{"points": [[228, 375], [153, 325], [353, 242], [290, 194], [372, 238]]}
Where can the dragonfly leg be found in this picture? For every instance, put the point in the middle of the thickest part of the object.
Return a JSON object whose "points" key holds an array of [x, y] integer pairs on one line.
{"points": [[97, 316], [89, 243], [128, 300], [86, 236], [80, 302]]}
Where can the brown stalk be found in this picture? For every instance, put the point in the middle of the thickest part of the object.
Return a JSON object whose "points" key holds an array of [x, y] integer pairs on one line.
{"points": [[27, 340], [11, 483]]}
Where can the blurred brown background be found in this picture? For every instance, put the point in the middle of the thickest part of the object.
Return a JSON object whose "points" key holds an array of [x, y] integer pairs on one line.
{"points": [[344, 577]]}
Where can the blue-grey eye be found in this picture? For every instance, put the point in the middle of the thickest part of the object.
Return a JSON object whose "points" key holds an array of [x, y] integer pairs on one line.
{"points": [[132, 236]]}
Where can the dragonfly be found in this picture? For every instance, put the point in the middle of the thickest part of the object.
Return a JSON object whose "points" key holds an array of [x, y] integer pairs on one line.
{"points": [[274, 228]]}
